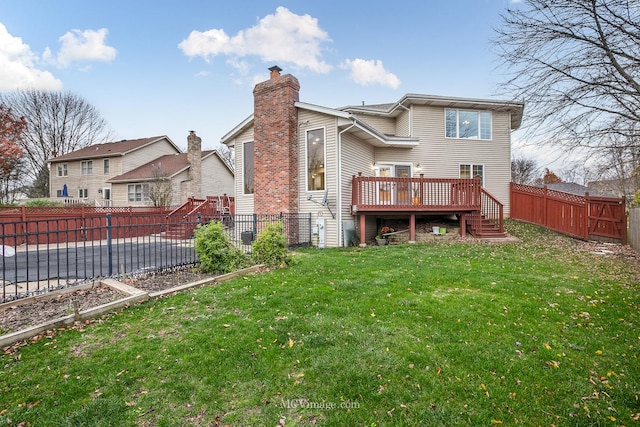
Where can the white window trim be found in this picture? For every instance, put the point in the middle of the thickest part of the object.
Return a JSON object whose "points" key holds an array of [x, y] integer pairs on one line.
{"points": [[142, 198], [82, 168], [82, 192], [63, 169], [479, 138], [243, 169], [376, 168], [471, 165], [306, 160]]}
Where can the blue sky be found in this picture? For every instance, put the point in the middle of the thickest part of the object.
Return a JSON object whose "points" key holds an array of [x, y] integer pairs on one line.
{"points": [[165, 67]]}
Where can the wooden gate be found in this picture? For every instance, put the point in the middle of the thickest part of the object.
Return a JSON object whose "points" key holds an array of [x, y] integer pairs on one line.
{"points": [[584, 217]]}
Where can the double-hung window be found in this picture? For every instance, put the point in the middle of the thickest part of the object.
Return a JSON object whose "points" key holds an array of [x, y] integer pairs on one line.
{"points": [[467, 124], [469, 170], [138, 192], [63, 169], [87, 167], [83, 193]]}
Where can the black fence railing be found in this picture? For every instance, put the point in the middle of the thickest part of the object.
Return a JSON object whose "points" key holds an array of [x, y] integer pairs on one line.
{"points": [[60, 254]]}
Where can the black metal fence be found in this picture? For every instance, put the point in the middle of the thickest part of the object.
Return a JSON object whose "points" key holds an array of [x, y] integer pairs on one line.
{"points": [[115, 247]]}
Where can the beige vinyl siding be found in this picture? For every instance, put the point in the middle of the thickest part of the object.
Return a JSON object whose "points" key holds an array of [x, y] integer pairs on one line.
{"points": [[357, 156], [75, 180], [244, 202], [328, 123], [144, 154], [440, 157], [403, 124], [217, 179], [381, 124], [119, 195]]}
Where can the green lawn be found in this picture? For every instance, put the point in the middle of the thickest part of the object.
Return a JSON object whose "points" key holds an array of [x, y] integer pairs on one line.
{"points": [[531, 333]]}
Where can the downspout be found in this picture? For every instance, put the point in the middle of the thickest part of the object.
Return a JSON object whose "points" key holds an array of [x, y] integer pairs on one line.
{"points": [[339, 189]]}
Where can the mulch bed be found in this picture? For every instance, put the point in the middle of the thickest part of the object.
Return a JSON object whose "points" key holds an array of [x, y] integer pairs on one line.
{"points": [[47, 308]]}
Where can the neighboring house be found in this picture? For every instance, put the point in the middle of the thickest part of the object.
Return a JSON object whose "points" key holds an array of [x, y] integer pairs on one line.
{"points": [[408, 159], [621, 188], [135, 186], [124, 173], [577, 189]]}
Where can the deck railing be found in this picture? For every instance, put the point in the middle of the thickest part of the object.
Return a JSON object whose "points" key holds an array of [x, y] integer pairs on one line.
{"points": [[415, 194]]}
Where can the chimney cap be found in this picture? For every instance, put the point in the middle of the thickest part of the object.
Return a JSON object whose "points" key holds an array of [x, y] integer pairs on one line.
{"points": [[275, 68]]}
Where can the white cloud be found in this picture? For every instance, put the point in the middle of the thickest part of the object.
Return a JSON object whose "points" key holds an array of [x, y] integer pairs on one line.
{"points": [[18, 66], [88, 45], [282, 37], [369, 72]]}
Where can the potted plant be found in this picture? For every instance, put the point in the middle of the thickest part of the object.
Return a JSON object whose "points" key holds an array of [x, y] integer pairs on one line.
{"points": [[381, 239], [415, 200]]}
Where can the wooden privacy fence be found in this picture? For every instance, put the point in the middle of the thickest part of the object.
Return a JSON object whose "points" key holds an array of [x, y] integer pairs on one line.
{"points": [[39, 225], [584, 217]]}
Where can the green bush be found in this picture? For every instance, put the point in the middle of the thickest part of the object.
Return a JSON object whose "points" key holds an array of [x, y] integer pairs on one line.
{"points": [[636, 200], [36, 203], [270, 248], [216, 253]]}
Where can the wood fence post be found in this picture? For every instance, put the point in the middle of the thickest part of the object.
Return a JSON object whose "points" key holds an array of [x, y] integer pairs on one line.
{"points": [[544, 206], [587, 208]]}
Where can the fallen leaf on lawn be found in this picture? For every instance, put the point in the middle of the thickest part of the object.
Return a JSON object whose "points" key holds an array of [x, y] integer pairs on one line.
{"points": [[132, 403], [553, 364], [598, 352], [290, 343], [439, 371], [547, 346], [226, 325], [496, 422]]}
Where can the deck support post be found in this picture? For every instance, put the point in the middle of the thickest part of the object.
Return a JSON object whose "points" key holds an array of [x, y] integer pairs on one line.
{"points": [[363, 234], [412, 228], [463, 224]]}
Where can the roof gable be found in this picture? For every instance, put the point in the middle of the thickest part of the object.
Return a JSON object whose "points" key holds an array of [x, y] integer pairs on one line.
{"points": [[169, 164]]}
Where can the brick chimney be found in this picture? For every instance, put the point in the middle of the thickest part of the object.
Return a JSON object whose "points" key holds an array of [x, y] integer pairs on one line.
{"points": [[276, 144], [194, 160]]}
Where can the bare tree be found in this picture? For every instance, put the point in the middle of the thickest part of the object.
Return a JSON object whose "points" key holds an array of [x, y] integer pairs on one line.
{"points": [[160, 187], [58, 123], [576, 64], [524, 171], [226, 154], [618, 171]]}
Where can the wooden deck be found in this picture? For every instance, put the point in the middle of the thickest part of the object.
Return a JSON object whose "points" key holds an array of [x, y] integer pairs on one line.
{"points": [[479, 212]]}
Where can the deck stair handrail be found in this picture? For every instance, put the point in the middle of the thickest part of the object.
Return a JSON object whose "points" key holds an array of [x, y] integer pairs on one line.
{"points": [[491, 213]]}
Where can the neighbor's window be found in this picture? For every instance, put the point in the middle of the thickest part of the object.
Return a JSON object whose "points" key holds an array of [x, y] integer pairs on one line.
{"points": [[315, 160], [468, 171], [87, 167], [138, 192], [466, 124], [83, 193], [248, 167], [106, 166], [63, 169]]}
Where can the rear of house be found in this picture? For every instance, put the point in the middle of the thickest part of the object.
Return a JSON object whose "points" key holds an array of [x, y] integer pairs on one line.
{"points": [[293, 156]]}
